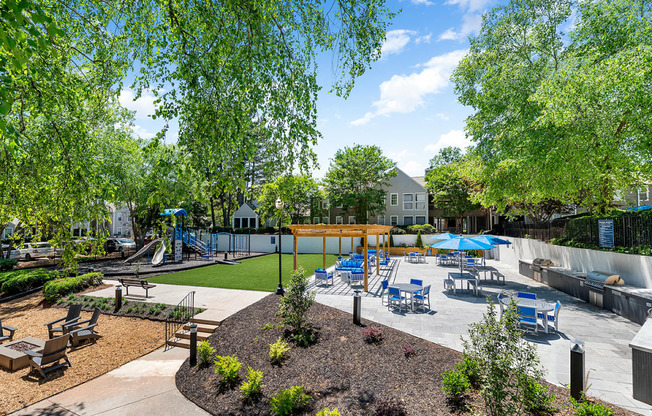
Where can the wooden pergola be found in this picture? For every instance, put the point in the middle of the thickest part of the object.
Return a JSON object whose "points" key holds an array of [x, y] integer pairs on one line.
{"points": [[343, 231]]}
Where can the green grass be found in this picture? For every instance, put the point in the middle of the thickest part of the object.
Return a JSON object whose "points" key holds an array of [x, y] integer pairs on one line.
{"points": [[260, 273]]}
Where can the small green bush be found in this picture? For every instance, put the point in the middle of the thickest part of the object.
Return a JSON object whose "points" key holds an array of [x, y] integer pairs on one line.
{"points": [[419, 242], [471, 369], [55, 289], [277, 351], [228, 367], [23, 280], [585, 408], [536, 398], [7, 264], [253, 386], [204, 352], [456, 384], [286, 402], [328, 412]]}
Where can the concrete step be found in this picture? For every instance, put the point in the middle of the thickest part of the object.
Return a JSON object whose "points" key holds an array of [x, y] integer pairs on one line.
{"points": [[186, 335], [207, 320], [179, 342], [202, 328]]}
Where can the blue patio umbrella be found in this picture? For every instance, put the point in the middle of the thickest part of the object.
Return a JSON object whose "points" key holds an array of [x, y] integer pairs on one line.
{"points": [[490, 239], [444, 237], [463, 244]]}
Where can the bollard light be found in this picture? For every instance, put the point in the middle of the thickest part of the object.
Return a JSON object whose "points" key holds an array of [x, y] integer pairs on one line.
{"points": [[193, 344], [357, 306], [118, 298], [576, 369]]}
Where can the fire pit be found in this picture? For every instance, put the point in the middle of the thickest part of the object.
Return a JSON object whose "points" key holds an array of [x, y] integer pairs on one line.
{"points": [[12, 354]]}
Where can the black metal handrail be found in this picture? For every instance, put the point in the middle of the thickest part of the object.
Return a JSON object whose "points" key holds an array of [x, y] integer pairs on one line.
{"points": [[179, 315]]}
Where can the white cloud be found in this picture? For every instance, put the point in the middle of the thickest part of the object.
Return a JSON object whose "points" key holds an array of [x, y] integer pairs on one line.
{"points": [[442, 116], [423, 39], [471, 5], [395, 41], [424, 2], [406, 93], [412, 168], [471, 24], [454, 138], [143, 106], [143, 133]]}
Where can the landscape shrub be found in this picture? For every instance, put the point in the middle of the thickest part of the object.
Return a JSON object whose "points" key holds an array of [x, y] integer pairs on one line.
{"points": [[471, 369], [536, 399], [277, 351], [294, 307], [507, 361], [228, 367], [397, 231], [328, 412], [372, 335], [586, 408], [390, 407], [391, 240], [455, 384], [419, 242], [55, 289], [253, 386], [7, 264], [421, 228], [204, 352], [23, 280], [288, 401], [409, 350]]}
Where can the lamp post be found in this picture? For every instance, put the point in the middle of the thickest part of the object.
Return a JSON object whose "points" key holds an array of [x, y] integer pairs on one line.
{"points": [[279, 206]]}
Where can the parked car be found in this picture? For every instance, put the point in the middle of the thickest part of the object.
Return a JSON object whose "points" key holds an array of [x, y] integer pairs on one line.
{"points": [[37, 250], [119, 244], [10, 252]]}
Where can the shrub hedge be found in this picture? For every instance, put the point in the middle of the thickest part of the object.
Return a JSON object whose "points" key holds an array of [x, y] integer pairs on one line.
{"points": [[55, 289], [18, 281], [7, 264]]}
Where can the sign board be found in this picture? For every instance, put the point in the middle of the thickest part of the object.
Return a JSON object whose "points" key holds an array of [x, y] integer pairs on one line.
{"points": [[429, 252], [178, 250], [606, 233]]}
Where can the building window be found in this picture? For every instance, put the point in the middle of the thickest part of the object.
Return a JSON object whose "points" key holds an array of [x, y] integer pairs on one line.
{"points": [[393, 200], [408, 220], [381, 220], [119, 230], [252, 222], [393, 220], [315, 220], [407, 201], [324, 204], [119, 218], [339, 206], [324, 220], [236, 223], [643, 194], [351, 219], [420, 219], [420, 201], [338, 219]]}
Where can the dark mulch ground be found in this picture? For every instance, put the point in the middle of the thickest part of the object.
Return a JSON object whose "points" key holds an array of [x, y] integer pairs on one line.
{"points": [[340, 371]]}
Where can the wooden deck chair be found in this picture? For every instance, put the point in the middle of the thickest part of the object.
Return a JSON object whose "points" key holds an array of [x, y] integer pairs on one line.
{"points": [[10, 330], [72, 317], [84, 330], [54, 351]]}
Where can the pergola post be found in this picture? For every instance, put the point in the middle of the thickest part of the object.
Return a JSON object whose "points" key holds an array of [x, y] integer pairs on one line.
{"points": [[351, 244], [377, 254], [324, 253], [366, 264], [295, 251], [340, 238]]}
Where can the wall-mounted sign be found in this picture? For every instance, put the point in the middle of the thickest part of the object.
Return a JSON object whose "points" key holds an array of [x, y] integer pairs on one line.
{"points": [[606, 233]]}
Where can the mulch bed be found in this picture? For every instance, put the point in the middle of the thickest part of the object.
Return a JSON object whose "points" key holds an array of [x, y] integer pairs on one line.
{"points": [[339, 371]]}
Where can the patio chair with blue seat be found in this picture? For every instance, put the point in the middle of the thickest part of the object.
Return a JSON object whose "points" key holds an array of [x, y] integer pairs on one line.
{"points": [[394, 298], [554, 318], [322, 276], [356, 278], [417, 282], [527, 316], [421, 298], [10, 330], [384, 284], [526, 295]]}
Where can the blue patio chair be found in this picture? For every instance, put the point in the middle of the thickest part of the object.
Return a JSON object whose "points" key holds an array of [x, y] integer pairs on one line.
{"points": [[527, 295], [417, 282], [322, 276], [443, 259], [554, 318], [384, 284], [527, 316], [394, 297], [421, 298], [356, 278]]}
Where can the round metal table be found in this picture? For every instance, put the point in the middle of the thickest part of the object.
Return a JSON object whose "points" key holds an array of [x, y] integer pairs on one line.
{"points": [[408, 288]]}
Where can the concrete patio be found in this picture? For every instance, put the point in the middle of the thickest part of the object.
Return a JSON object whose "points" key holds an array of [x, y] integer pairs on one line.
{"points": [[606, 335]]}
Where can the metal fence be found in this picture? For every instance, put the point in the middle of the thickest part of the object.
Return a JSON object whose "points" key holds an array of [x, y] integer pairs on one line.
{"points": [[540, 231]]}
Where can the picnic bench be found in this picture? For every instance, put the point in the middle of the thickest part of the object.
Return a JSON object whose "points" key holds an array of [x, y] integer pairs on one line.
{"points": [[130, 281]]}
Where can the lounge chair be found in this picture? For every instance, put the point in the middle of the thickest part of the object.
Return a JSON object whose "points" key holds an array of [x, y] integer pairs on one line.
{"points": [[54, 351], [9, 329], [421, 298], [72, 317], [322, 276], [83, 330]]}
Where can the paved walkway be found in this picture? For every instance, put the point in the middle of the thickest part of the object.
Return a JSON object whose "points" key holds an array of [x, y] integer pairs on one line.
{"points": [[606, 335]]}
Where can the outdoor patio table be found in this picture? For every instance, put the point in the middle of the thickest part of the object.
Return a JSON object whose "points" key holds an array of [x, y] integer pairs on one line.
{"points": [[486, 269], [541, 306], [408, 288], [463, 277]]}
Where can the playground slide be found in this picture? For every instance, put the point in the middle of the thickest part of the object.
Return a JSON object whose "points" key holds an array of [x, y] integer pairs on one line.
{"points": [[143, 251], [159, 255]]}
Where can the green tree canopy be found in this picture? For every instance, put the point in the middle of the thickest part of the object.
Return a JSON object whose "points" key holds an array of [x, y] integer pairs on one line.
{"points": [[356, 178], [295, 191]]}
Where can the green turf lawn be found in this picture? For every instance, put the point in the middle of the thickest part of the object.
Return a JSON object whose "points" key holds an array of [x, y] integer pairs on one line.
{"points": [[260, 273]]}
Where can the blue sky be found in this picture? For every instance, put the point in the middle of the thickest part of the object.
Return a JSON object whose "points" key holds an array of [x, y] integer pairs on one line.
{"points": [[405, 104]]}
